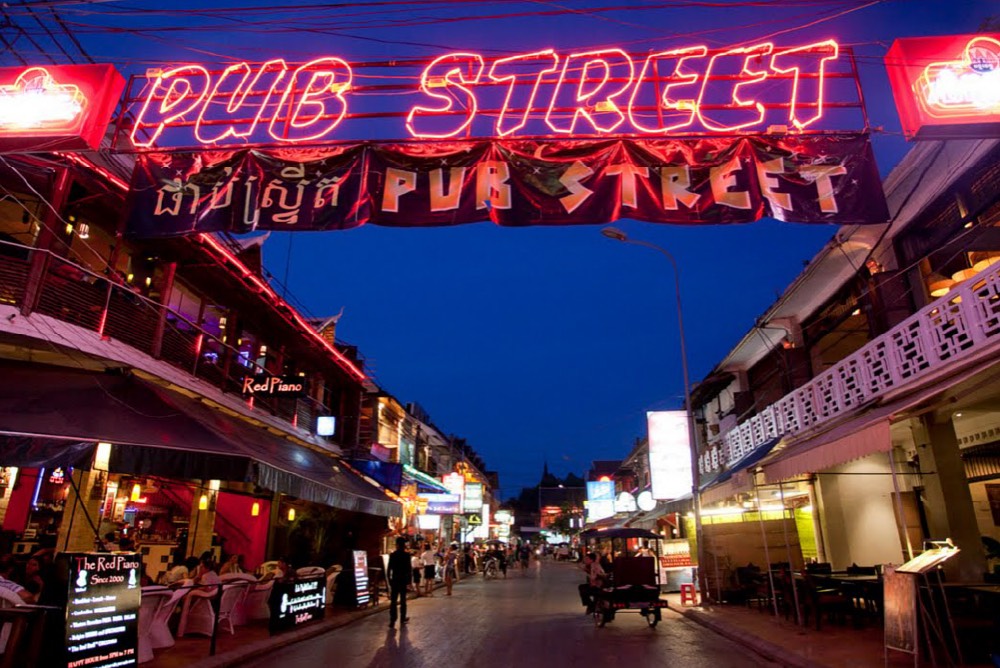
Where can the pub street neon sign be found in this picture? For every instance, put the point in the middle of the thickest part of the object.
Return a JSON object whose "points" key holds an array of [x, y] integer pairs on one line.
{"points": [[588, 93]]}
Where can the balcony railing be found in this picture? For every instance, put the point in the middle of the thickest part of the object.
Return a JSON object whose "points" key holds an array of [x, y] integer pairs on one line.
{"points": [[945, 332], [72, 294]]}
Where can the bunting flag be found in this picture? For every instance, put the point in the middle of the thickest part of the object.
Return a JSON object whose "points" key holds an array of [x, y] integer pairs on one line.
{"points": [[829, 178]]}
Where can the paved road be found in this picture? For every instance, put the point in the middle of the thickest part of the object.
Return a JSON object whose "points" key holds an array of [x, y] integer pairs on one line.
{"points": [[521, 622]]}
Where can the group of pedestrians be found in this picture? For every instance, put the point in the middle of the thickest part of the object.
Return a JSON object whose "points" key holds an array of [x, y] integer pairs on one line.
{"points": [[417, 570]]}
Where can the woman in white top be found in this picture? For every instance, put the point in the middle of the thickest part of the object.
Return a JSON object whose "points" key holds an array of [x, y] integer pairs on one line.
{"points": [[429, 559]]}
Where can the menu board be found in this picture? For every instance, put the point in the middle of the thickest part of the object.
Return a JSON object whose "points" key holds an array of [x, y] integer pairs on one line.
{"points": [[899, 596], [361, 577], [102, 611], [295, 602]]}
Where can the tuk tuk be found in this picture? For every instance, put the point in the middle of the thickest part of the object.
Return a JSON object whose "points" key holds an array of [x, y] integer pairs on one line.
{"points": [[633, 582]]}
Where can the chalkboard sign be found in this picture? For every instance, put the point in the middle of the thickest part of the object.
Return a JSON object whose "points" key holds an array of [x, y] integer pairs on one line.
{"points": [[900, 610], [102, 611], [296, 602]]}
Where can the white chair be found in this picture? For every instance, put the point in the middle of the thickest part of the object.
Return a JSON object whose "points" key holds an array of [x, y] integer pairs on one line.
{"points": [[159, 634], [255, 603], [331, 586], [267, 567], [152, 599], [239, 614], [233, 593], [197, 615], [310, 571], [8, 599]]}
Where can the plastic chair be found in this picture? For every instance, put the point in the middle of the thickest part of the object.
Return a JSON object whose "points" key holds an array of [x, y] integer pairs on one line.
{"points": [[159, 632], [197, 615], [152, 599], [310, 571], [331, 586], [255, 602], [689, 595], [233, 594], [267, 567], [239, 613]]}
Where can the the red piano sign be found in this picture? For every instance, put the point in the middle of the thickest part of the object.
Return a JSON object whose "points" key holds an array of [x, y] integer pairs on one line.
{"points": [[947, 86], [459, 95], [55, 107]]}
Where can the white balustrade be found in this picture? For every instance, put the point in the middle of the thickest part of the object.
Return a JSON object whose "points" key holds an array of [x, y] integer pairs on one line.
{"points": [[946, 331]]}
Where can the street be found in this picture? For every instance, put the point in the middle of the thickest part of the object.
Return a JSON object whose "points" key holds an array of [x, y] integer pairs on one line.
{"points": [[525, 621]]}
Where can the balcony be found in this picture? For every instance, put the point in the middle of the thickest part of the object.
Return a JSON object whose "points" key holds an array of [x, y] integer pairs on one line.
{"points": [[91, 302], [954, 329]]}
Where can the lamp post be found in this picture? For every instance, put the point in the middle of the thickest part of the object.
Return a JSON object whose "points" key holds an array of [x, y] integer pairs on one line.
{"points": [[618, 235]]}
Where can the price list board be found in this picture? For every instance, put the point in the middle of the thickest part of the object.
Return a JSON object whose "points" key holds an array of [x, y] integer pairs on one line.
{"points": [[102, 611]]}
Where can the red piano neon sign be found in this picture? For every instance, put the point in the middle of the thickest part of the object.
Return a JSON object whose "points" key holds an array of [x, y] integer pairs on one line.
{"points": [[588, 93]]}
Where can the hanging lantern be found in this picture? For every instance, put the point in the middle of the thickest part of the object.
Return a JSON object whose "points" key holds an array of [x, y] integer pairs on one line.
{"points": [[203, 502], [255, 509], [291, 514], [136, 492]]}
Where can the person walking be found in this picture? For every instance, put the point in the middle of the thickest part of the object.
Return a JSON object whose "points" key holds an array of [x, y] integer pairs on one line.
{"points": [[429, 560], [399, 575], [450, 568]]}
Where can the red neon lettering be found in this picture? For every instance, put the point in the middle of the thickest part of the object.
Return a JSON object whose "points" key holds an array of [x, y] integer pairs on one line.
{"points": [[453, 79], [329, 78], [589, 91], [829, 50], [747, 77], [171, 107], [496, 74], [238, 99], [686, 106]]}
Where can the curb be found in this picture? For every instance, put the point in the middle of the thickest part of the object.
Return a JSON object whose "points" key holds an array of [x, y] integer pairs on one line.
{"points": [[273, 643], [766, 648]]}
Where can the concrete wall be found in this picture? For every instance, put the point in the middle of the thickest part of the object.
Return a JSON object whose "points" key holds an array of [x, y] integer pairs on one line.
{"points": [[858, 521], [984, 517]]}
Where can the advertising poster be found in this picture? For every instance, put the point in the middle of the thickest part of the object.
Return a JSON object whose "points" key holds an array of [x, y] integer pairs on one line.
{"points": [[473, 501], [102, 611], [669, 454], [443, 504], [600, 499], [296, 602]]}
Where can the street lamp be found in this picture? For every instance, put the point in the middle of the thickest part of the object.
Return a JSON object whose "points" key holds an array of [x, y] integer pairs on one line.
{"points": [[618, 235]]}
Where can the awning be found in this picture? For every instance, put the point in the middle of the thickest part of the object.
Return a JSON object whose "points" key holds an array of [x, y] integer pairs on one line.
{"points": [[425, 482], [736, 478], [164, 433]]}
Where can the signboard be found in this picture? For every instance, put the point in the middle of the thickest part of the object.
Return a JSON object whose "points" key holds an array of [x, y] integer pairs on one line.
{"points": [[443, 504], [295, 602], [600, 499], [625, 503], [669, 454], [361, 577], [429, 522], [102, 611], [830, 178], [474, 520], [690, 88], [503, 517], [947, 86], [264, 385], [455, 483], [473, 500], [57, 107]]}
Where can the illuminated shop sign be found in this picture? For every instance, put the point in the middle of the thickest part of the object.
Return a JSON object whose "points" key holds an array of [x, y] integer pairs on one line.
{"points": [[462, 94], [669, 454], [274, 386], [295, 602], [360, 564], [472, 502], [823, 178], [947, 86], [57, 107], [443, 504], [600, 499], [102, 611]]}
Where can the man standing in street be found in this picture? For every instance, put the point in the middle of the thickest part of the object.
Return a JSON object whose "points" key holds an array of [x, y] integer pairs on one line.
{"points": [[399, 575]]}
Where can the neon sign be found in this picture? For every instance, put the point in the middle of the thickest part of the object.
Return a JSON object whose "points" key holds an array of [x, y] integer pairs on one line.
{"points": [[947, 86], [462, 94], [56, 107]]}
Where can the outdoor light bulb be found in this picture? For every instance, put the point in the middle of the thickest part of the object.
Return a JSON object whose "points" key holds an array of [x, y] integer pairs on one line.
{"points": [[83, 231], [291, 514], [255, 509], [149, 279], [69, 228], [136, 492], [203, 502]]}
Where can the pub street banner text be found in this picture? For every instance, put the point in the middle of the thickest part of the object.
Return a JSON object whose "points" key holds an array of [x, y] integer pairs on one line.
{"points": [[830, 178]]}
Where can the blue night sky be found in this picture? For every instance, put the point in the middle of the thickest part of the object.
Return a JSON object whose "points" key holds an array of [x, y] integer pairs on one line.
{"points": [[535, 343]]}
